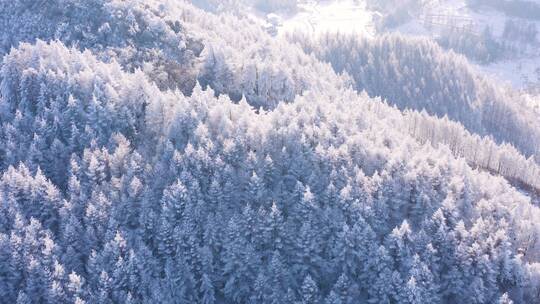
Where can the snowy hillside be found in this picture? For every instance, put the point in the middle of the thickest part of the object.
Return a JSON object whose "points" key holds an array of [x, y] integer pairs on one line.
{"points": [[163, 151], [517, 65]]}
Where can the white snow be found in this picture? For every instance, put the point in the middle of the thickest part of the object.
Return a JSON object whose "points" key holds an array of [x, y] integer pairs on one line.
{"points": [[520, 73], [347, 16]]}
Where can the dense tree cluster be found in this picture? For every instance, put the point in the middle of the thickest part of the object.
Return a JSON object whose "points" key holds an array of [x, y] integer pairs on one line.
{"points": [[218, 200], [174, 44], [136, 35], [252, 64], [483, 48], [115, 189], [520, 31], [480, 152]]}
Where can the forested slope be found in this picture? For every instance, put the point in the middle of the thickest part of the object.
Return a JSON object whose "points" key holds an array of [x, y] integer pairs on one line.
{"points": [[117, 189], [414, 73]]}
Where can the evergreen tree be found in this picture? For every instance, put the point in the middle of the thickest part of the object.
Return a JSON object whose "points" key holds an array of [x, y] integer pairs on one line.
{"points": [[309, 291], [333, 299], [207, 290]]}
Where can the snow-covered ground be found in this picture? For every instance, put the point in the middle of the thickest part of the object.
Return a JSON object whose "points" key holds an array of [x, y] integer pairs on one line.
{"points": [[341, 15], [519, 73]]}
